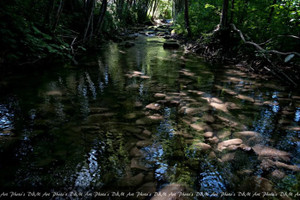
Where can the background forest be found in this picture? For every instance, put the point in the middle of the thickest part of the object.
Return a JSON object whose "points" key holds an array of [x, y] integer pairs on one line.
{"points": [[31, 30]]}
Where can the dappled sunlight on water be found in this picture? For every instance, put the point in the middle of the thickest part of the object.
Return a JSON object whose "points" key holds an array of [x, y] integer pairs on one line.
{"points": [[138, 118]]}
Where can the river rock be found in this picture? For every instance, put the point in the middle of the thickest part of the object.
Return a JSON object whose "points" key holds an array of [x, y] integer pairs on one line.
{"points": [[132, 129], [228, 157], [213, 140], [153, 106], [212, 155], [54, 93], [202, 146], [147, 120], [277, 174], [294, 168], [132, 181], [155, 117], [224, 134], [171, 190], [232, 144], [208, 134], [130, 116], [143, 143], [192, 111], [135, 152], [147, 133], [271, 153], [197, 127], [138, 104], [208, 118], [246, 134], [136, 165], [147, 189]]}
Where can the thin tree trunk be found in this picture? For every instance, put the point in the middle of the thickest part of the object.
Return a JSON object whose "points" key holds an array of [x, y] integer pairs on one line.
{"points": [[58, 13], [101, 16], [232, 11], [90, 19], [50, 8], [224, 17], [186, 17]]}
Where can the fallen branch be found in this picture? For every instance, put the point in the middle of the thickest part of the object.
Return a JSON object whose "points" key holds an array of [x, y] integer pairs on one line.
{"points": [[274, 69], [291, 36], [259, 47]]}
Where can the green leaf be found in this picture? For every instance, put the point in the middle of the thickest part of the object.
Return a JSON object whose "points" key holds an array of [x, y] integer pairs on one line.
{"points": [[289, 57]]}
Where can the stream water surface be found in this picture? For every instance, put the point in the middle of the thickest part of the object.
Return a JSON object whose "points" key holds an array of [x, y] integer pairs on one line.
{"points": [[141, 118]]}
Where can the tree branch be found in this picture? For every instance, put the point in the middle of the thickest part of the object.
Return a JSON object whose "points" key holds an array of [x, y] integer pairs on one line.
{"points": [[274, 69]]}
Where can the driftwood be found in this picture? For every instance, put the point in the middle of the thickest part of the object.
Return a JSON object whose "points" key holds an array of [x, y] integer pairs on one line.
{"points": [[276, 71]]}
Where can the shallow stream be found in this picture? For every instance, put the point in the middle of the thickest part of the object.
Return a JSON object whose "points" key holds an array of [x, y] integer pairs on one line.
{"points": [[137, 119]]}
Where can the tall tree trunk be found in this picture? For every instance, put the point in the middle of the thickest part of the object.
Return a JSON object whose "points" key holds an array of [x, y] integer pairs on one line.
{"points": [[186, 18], [232, 11], [58, 13], [88, 28], [101, 16], [224, 17], [271, 12]]}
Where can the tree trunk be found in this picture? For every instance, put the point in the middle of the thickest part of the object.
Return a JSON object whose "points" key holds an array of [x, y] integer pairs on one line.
{"points": [[101, 16], [186, 18], [91, 5], [271, 12], [224, 17], [232, 11], [58, 13]]}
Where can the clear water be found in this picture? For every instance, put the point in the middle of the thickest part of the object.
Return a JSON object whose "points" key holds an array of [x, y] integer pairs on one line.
{"points": [[87, 128]]}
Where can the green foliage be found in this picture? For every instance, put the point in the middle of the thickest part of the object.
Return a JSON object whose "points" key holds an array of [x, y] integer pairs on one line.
{"points": [[203, 15]]}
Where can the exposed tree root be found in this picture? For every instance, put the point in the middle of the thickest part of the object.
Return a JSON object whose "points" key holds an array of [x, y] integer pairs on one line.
{"points": [[272, 68], [215, 48]]}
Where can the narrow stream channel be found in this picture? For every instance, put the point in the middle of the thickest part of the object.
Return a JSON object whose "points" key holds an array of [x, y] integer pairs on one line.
{"points": [[137, 119]]}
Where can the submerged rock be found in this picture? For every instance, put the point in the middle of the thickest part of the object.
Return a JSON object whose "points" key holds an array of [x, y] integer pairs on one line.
{"points": [[135, 152], [171, 191], [153, 106], [230, 144], [132, 129], [277, 174], [208, 134], [147, 133], [147, 189], [143, 143], [160, 95], [132, 181], [128, 44], [171, 44], [197, 127], [202, 146], [130, 116], [270, 153], [54, 93], [213, 140], [136, 165]]}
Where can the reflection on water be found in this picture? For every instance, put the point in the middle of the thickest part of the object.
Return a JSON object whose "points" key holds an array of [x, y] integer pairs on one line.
{"points": [[136, 119], [6, 121]]}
